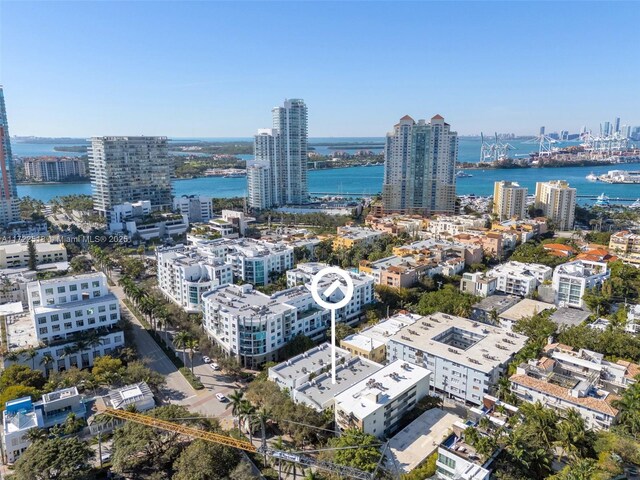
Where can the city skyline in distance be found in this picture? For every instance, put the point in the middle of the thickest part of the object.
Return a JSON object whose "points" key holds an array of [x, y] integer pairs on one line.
{"points": [[108, 71]]}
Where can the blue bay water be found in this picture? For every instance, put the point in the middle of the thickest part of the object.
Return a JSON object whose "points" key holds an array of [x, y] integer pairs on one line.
{"points": [[362, 180]]}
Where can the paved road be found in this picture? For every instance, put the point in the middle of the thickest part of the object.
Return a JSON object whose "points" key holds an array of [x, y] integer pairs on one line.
{"points": [[176, 389]]}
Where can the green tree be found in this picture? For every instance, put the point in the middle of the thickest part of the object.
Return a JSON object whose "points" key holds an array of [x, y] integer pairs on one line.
{"points": [[17, 391], [629, 406], [297, 345], [108, 370], [446, 300], [55, 459], [33, 255], [21, 375], [365, 457], [205, 461], [141, 452], [579, 469]]}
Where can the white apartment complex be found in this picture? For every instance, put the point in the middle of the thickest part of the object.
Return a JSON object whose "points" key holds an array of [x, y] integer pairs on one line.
{"points": [[478, 284], [308, 376], [16, 255], [252, 326], [363, 292], [509, 200], [466, 357], [558, 202], [572, 279], [185, 273], [129, 169], [73, 319], [517, 278], [377, 403]]}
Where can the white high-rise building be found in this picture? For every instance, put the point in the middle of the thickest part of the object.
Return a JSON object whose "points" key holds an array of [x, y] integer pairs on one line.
{"points": [[509, 200], [558, 202], [130, 169], [259, 186], [281, 156], [419, 173], [197, 208]]}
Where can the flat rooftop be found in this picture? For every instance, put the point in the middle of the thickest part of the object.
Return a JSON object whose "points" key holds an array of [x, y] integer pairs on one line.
{"points": [[21, 332], [482, 347], [569, 316], [413, 444], [499, 303], [376, 336], [242, 300], [380, 388], [109, 297], [525, 308], [322, 389], [310, 361]]}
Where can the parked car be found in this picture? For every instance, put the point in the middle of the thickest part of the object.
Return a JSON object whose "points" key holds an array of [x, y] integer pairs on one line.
{"points": [[206, 359], [221, 397], [214, 366]]}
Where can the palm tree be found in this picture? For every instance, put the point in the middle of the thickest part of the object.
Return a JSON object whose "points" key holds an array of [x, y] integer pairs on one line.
{"points": [[81, 346], [192, 345], [247, 417], [180, 341], [31, 354], [235, 402], [35, 434], [46, 360], [494, 316]]}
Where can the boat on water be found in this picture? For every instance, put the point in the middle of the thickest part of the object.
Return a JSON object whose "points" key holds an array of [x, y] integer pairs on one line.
{"points": [[592, 177], [621, 176], [462, 174], [635, 204], [602, 201]]}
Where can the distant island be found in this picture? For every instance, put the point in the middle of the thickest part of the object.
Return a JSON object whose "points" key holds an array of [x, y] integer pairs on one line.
{"points": [[71, 148]]}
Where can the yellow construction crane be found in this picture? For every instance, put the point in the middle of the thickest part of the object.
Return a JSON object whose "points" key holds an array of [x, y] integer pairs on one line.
{"points": [[178, 428], [296, 457]]}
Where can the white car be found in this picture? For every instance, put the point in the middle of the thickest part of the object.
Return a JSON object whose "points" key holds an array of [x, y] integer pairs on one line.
{"points": [[221, 397], [206, 359], [214, 366]]}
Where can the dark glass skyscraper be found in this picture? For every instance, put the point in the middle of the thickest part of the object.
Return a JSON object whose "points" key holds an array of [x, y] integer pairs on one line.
{"points": [[9, 211]]}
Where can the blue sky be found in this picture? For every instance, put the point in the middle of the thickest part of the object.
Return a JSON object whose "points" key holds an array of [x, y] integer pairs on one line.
{"points": [[215, 69]]}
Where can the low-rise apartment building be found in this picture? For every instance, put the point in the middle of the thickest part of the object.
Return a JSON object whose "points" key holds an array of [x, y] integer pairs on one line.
{"points": [[253, 326], [186, 272], [626, 245], [350, 236], [517, 278], [308, 379], [478, 284], [73, 319], [440, 250], [371, 343], [572, 279], [582, 380], [467, 358], [447, 225], [399, 272], [16, 255], [377, 403]]}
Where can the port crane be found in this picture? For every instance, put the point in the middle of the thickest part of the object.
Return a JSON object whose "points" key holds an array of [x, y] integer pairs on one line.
{"points": [[296, 457], [545, 143], [494, 152]]}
